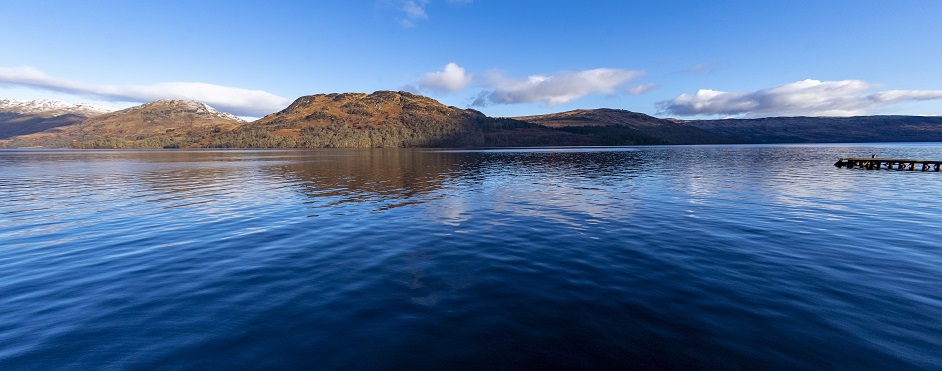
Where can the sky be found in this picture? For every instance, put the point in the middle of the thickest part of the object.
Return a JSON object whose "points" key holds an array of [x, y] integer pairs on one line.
{"points": [[682, 59]]}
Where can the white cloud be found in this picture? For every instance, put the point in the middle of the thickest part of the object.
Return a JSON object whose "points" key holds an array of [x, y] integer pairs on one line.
{"points": [[449, 79], [641, 89], [801, 98], [239, 101], [555, 89]]}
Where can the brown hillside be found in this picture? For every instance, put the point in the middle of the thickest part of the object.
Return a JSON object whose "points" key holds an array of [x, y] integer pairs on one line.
{"points": [[380, 119], [363, 111], [155, 124], [158, 118], [596, 117]]}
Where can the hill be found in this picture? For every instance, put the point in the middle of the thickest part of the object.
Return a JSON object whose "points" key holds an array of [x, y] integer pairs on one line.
{"points": [[386, 119], [827, 129], [23, 117], [620, 127], [163, 123], [402, 119], [381, 119]]}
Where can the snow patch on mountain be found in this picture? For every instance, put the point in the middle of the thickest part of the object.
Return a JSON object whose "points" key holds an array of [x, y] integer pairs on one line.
{"points": [[196, 107], [47, 107]]}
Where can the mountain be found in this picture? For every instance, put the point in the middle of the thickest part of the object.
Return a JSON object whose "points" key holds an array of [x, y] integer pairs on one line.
{"points": [[22, 117], [856, 129], [402, 119], [620, 127], [380, 119], [385, 119], [595, 117], [51, 108], [162, 123], [610, 123]]}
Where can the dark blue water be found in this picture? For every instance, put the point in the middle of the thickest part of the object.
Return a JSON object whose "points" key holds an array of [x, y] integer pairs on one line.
{"points": [[705, 257]]}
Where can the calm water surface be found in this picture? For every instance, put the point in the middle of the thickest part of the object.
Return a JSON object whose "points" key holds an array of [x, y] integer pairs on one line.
{"points": [[640, 257]]}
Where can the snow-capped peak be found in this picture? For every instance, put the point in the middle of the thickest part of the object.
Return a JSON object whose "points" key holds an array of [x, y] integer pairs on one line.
{"points": [[52, 107]]}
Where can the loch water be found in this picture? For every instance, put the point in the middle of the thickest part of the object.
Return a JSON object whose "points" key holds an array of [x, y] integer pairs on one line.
{"points": [[664, 257]]}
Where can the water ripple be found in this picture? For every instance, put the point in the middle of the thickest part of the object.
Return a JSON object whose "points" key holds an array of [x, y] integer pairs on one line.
{"points": [[644, 257]]}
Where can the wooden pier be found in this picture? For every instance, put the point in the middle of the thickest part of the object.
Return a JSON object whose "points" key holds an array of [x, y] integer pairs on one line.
{"points": [[873, 163]]}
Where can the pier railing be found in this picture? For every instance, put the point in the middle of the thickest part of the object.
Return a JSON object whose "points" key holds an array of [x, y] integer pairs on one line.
{"points": [[873, 163]]}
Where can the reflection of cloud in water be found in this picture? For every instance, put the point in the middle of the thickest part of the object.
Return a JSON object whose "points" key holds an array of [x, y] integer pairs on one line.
{"points": [[801, 177], [452, 210], [572, 187], [558, 201]]}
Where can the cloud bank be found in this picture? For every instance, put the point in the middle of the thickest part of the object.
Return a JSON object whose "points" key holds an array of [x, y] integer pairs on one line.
{"points": [[800, 98], [238, 101], [449, 79], [553, 89]]}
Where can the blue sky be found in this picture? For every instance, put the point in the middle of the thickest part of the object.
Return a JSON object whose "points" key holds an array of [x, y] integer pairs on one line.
{"points": [[505, 58]]}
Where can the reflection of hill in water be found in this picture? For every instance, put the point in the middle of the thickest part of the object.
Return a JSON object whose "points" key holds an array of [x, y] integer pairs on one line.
{"points": [[388, 177], [565, 163]]}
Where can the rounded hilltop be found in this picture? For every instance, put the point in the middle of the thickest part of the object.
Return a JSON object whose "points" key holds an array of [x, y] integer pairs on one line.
{"points": [[363, 110], [186, 106], [379, 119]]}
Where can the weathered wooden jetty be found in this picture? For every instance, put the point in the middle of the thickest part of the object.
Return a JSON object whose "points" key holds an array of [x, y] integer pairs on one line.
{"points": [[874, 163]]}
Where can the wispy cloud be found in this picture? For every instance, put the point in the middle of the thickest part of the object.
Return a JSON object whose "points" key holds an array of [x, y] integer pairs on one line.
{"points": [[239, 101], [703, 68], [562, 87], [451, 78], [641, 89], [412, 11], [800, 98]]}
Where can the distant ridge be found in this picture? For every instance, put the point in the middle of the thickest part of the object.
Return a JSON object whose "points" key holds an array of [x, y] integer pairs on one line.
{"points": [[596, 117], [23, 117], [856, 129], [614, 127], [52, 108], [402, 119]]}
